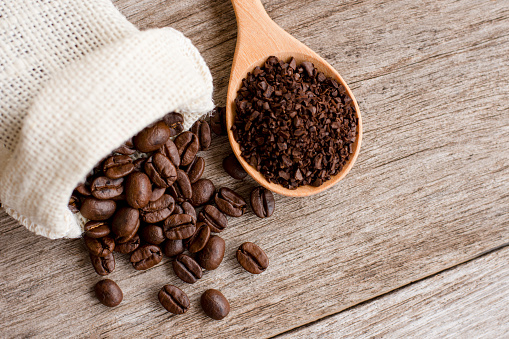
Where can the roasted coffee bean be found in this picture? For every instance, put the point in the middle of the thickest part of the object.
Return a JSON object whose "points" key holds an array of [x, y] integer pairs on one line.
{"points": [[96, 209], [214, 304], [188, 145], [199, 239], [152, 137], [216, 220], [195, 169], [178, 209], [152, 234], [252, 258], [262, 202], [179, 226], [157, 193], [108, 293], [83, 189], [175, 122], [173, 248], [218, 121], [181, 190], [105, 188], [127, 148], [103, 265], [202, 130], [138, 189], [118, 166], [74, 204], [211, 256], [170, 151], [203, 191], [139, 164], [158, 210], [173, 299], [125, 224], [161, 170], [146, 257], [96, 229], [230, 203], [187, 269], [187, 208], [128, 246], [99, 247], [233, 167]]}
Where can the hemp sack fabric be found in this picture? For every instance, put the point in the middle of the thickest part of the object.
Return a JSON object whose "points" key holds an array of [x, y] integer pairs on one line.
{"points": [[76, 81]]}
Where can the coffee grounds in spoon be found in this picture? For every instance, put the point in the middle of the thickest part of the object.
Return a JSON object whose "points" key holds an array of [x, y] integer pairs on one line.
{"points": [[293, 124]]}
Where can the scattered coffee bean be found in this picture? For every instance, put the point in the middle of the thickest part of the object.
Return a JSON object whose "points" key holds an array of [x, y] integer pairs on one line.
{"points": [[118, 166], [195, 169], [187, 269], [173, 299], [199, 239], [170, 151], [230, 203], [178, 209], [161, 170], [157, 193], [152, 137], [108, 293], [211, 256], [218, 121], [126, 149], [188, 145], [74, 203], [216, 220], [181, 190], [203, 191], [146, 257], [105, 188], [179, 226], [202, 130], [152, 234], [83, 189], [173, 248], [99, 247], [187, 208], [96, 229], [96, 209], [252, 258], [233, 167], [158, 210], [214, 304], [128, 246], [139, 163], [262, 202], [125, 224], [175, 122], [138, 189], [103, 265]]}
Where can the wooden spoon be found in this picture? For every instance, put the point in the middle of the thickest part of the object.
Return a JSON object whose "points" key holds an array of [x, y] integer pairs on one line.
{"points": [[259, 37]]}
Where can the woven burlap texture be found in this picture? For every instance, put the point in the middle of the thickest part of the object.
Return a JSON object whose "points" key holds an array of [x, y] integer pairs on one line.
{"points": [[76, 80]]}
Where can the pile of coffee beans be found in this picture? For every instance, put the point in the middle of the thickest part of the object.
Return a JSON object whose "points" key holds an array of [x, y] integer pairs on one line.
{"points": [[148, 199], [293, 124]]}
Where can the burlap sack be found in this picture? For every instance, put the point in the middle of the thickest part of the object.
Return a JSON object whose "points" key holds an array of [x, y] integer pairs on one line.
{"points": [[76, 80]]}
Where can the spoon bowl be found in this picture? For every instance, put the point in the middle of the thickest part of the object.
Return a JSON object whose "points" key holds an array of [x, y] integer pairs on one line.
{"points": [[258, 38]]}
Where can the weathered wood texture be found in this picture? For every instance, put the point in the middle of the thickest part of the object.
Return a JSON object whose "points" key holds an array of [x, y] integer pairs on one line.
{"points": [[429, 190], [468, 301]]}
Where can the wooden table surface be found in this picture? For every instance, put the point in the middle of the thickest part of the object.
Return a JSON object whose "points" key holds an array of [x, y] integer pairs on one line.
{"points": [[428, 194]]}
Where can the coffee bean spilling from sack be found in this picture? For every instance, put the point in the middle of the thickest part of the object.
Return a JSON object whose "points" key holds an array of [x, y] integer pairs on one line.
{"points": [[146, 207]]}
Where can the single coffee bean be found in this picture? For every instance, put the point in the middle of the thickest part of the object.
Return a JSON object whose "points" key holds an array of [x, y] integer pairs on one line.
{"points": [[216, 220], [187, 208], [127, 148], [83, 189], [181, 190], [173, 248], [211, 256], [202, 130], [96, 209], [157, 193], [173, 299], [138, 189], [178, 209], [139, 164], [108, 293], [96, 229], [203, 191], [179, 226], [152, 137], [161, 170], [187, 269], [105, 188], [152, 234], [74, 204], [214, 304], [158, 210], [218, 121], [175, 122], [125, 224], [199, 239], [252, 258], [170, 151], [118, 166], [262, 202], [188, 145], [99, 247], [233, 167], [230, 203], [146, 257], [128, 246], [195, 169], [103, 265]]}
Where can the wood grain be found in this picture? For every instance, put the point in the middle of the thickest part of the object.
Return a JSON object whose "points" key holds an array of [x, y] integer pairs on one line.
{"points": [[468, 301], [429, 189]]}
